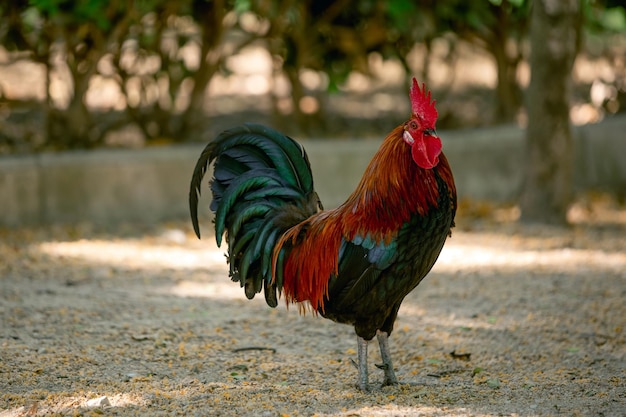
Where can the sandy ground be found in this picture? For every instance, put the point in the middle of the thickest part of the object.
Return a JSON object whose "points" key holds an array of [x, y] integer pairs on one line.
{"points": [[145, 322]]}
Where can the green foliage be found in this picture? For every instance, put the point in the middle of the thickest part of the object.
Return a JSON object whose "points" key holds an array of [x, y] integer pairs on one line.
{"points": [[516, 3], [614, 19], [241, 6], [608, 16], [69, 11], [479, 16], [400, 12]]}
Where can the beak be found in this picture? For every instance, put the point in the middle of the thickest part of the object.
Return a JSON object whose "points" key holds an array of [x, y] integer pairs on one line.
{"points": [[430, 132]]}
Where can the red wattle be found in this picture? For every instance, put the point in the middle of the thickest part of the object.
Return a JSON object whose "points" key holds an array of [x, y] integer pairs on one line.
{"points": [[426, 150]]}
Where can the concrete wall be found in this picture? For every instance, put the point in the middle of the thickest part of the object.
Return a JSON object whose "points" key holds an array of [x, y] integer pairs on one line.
{"points": [[151, 185]]}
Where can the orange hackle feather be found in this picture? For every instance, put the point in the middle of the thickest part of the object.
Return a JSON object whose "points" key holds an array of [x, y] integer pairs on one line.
{"points": [[392, 188]]}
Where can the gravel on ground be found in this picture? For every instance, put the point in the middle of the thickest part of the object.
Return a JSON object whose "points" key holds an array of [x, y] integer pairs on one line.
{"points": [[512, 321]]}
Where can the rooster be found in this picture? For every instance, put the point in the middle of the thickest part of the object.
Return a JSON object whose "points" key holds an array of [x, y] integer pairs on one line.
{"points": [[353, 264]]}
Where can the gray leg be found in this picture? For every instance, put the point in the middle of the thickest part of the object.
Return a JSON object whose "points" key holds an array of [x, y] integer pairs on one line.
{"points": [[387, 366], [362, 365]]}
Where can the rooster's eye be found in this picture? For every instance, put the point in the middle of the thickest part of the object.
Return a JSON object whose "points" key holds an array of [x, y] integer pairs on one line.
{"points": [[413, 125]]}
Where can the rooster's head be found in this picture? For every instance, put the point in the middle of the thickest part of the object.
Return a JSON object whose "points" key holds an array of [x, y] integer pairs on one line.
{"points": [[419, 130]]}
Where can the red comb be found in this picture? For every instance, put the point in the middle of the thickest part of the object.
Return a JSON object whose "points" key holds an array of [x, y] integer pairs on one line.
{"points": [[420, 103]]}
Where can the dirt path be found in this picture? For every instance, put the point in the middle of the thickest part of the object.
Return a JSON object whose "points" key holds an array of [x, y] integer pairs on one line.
{"points": [[147, 323]]}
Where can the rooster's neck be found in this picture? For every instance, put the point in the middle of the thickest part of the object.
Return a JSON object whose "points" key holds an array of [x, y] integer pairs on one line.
{"points": [[393, 189]]}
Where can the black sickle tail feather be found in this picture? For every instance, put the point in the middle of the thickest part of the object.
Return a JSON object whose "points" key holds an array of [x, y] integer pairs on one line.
{"points": [[262, 185]]}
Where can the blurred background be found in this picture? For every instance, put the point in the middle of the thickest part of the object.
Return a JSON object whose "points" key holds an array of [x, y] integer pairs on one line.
{"points": [[130, 74]]}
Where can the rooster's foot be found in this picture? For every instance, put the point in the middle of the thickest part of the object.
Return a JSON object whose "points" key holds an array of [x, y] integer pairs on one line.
{"points": [[386, 366]]}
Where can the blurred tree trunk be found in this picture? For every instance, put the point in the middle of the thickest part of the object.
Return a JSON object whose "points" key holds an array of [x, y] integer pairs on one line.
{"points": [[507, 60], [547, 190], [70, 127], [210, 18], [82, 45]]}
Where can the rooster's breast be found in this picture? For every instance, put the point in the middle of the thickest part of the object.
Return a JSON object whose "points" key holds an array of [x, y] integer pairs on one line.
{"points": [[369, 295]]}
